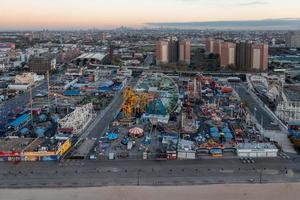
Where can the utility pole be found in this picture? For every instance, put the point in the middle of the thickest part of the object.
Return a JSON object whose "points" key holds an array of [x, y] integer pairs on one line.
{"points": [[262, 123], [200, 89], [48, 86], [31, 107]]}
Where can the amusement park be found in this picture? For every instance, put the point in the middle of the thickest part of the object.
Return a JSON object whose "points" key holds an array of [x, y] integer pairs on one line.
{"points": [[167, 117]]}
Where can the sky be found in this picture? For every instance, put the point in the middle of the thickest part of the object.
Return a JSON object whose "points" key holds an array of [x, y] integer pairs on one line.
{"points": [[72, 14]]}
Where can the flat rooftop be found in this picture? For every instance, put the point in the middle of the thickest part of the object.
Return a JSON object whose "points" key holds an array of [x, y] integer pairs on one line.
{"points": [[43, 144], [14, 144], [96, 56], [292, 92], [256, 146]]}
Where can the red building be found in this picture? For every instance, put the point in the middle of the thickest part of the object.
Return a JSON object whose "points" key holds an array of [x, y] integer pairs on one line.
{"points": [[185, 51], [227, 56], [243, 55], [162, 52], [173, 51]]}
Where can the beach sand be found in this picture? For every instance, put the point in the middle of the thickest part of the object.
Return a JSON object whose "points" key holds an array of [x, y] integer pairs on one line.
{"points": [[287, 191]]}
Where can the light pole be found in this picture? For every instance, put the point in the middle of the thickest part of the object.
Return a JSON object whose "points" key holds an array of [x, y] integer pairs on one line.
{"points": [[254, 120]]}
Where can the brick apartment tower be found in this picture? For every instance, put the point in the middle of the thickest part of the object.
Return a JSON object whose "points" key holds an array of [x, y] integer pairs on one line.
{"points": [[185, 51], [162, 52], [173, 51], [226, 51], [227, 56], [259, 57], [243, 54]]}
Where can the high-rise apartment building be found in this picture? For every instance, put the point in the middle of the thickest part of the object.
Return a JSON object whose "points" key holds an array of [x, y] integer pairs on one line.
{"points": [[162, 52], [252, 56], [217, 46], [209, 44], [293, 40], [213, 46], [243, 55], [226, 51], [227, 55], [173, 51], [259, 57], [185, 51]]}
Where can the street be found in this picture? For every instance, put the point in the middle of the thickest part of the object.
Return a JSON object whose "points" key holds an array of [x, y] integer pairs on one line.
{"points": [[154, 173], [99, 125], [257, 109]]}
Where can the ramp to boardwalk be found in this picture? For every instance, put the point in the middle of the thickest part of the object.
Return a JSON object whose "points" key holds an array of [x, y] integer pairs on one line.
{"points": [[282, 140]]}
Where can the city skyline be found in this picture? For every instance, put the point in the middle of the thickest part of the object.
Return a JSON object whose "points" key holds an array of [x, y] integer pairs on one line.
{"points": [[67, 14]]}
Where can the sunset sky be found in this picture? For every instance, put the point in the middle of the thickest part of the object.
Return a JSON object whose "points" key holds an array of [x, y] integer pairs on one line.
{"points": [[69, 14]]}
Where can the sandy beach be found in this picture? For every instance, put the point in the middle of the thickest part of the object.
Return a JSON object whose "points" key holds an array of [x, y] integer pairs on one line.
{"points": [[288, 191]]}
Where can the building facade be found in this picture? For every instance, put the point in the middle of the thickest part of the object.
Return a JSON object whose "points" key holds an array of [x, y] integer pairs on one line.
{"points": [[209, 45], [293, 40], [289, 108], [259, 57], [162, 52], [173, 51], [227, 56], [185, 51], [41, 64], [243, 55]]}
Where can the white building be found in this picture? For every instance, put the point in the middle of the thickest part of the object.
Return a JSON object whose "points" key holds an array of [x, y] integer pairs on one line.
{"points": [[28, 78], [257, 150], [289, 108]]}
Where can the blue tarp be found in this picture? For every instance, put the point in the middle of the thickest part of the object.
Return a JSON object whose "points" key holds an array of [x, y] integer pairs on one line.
{"points": [[214, 132], [294, 133], [104, 89], [42, 118], [113, 136], [20, 120], [72, 93], [24, 131], [40, 131], [227, 133]]}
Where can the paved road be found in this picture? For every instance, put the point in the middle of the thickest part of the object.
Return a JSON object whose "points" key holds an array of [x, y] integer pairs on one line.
{"points": [[256, 108], [100, 124], [104, 120], [114, 173]]}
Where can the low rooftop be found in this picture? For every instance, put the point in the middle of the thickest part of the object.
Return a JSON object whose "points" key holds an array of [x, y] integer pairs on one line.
{"points": [[14, 144], [292, 92]]}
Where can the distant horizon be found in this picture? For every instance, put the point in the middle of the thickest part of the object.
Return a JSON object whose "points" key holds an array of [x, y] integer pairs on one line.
{"points": [[103, 14], [284, 24]]}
